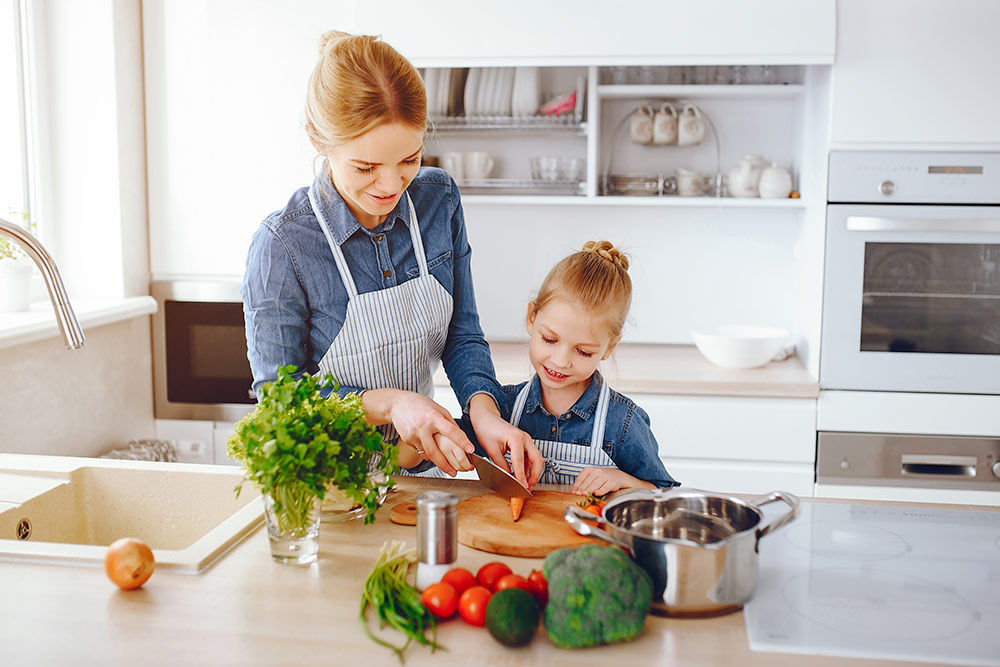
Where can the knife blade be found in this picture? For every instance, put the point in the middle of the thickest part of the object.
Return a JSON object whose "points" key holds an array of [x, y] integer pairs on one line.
{"points": [[498, 479]]}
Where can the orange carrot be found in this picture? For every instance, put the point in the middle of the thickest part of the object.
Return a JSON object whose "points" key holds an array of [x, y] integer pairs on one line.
{"points": [[516, 504]]}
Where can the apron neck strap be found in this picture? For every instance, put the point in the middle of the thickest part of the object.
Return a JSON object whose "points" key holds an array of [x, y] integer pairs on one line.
{"points": [[600, 412], [338, 254]]}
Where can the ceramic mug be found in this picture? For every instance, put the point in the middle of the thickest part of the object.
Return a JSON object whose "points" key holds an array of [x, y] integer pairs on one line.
{"points": [[641, 125], [478, 165], [454, 164], [692, 183], [665, 125], [690, 126]]}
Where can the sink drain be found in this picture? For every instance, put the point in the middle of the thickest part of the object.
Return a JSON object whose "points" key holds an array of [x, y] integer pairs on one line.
{"points": [[23, 529]]}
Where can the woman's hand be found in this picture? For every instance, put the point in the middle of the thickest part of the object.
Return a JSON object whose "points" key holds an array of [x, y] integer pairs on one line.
{"points": [[599, 481], [420, 422], [498, 436]]}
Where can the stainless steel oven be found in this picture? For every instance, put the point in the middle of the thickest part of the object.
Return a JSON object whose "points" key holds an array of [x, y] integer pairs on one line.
{"points": [[200, 366], [909, 405], [912, 278]]}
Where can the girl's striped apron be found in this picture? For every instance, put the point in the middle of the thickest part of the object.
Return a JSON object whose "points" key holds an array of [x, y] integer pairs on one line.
{"points": [[564, 460]]}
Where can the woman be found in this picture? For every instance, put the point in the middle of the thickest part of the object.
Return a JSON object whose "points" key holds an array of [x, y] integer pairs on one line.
{"points": [[366, 274]]}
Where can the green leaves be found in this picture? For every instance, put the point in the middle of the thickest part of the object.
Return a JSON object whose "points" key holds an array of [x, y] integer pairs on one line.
{"points": [[296, 438]]}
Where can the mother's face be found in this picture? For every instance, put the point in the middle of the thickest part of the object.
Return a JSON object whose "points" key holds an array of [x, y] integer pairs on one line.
{"points": [[372, 172]]}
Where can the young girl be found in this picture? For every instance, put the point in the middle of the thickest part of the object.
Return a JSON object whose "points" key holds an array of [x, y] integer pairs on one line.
{"points": [[590, 435]]}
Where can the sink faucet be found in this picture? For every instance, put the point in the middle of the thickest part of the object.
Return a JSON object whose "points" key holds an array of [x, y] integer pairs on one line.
{"points": [[68, 323]]}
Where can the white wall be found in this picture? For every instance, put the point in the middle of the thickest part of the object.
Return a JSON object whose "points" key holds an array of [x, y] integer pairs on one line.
{"points": [[80, 403]]}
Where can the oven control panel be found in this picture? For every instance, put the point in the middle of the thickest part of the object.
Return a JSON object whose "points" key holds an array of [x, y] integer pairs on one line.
{"points": [[914, 177]]}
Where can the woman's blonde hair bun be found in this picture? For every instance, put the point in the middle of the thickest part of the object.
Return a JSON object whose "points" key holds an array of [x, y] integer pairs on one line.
{"points": [[330, 38], [607, 251]]}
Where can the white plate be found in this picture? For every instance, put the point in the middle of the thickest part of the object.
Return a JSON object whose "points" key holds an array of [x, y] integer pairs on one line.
{"points": [[431, 76], [471, 90], [444, 86], [484, 99], [505, 91]]}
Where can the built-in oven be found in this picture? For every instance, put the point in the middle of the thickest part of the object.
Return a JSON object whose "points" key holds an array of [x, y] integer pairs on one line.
{"points": [[910, 347], [200, 366]]}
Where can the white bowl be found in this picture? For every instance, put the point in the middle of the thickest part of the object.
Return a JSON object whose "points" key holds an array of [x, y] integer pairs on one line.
{"points": [[740, 346]]}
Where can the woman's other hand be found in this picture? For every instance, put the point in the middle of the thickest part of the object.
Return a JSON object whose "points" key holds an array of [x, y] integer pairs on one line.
{"points": [[498, 436]]}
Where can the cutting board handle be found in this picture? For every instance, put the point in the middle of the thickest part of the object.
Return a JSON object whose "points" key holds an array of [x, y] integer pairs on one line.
{"points": [[578, 521]]}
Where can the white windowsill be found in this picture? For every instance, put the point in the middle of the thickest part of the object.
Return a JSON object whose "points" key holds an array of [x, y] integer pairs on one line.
{"points": [[39, 322]]}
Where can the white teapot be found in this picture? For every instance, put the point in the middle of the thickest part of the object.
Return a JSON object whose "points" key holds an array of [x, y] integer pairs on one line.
{"points": [[744, 177], [775, 182]]}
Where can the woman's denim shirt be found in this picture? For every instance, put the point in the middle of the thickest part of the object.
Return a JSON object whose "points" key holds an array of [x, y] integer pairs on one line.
{"points": [[294, 300], [628, 439]]}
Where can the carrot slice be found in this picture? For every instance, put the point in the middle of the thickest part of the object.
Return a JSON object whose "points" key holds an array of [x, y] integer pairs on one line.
{"points": [[516, 504]]}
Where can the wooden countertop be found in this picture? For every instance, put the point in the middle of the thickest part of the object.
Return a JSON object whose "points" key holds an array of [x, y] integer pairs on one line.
{"points": [[670, 369], [249, 610]]}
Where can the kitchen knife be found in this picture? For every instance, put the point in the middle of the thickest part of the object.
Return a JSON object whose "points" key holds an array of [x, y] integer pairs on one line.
{"points": [[498, 479]]}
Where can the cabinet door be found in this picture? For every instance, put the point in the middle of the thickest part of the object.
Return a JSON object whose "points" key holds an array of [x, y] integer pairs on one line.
{"points": [[442, 32], [916, 72], [741, 476]]}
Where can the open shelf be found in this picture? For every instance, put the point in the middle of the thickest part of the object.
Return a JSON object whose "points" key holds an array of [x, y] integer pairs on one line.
{"points": [[635, 91]]}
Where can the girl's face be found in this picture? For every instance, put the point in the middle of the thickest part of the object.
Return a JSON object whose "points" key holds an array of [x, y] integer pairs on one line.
{"points": [[566, 345], [372, 172]]}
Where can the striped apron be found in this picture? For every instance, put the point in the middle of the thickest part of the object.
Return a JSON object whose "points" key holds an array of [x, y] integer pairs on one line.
{"points": [[564, 460], [393, 337]]}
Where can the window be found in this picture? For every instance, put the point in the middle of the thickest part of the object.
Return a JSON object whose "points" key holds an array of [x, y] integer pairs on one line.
{"points": [[13, 120]]}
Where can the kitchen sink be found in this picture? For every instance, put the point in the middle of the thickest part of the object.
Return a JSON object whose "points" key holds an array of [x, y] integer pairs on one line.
{"points": [[188, 514]]}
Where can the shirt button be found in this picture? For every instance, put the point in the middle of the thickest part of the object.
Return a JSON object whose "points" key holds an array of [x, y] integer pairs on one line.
{"points": [[378, 238], [387, 273], [553, 429]]}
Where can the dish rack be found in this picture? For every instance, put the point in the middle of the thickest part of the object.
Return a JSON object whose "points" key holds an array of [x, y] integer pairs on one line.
{"points": [[508, 186], [652, 184], [569, 123]]}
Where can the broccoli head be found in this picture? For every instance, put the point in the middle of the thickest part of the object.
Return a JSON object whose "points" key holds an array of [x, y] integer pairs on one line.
{"points": [[597, 595]]}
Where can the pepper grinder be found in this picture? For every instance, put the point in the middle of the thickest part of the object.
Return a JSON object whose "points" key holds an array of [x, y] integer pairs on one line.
{"points": [[437, 536]]}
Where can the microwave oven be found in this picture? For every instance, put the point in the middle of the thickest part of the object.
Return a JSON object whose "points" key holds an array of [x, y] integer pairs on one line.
{"points": [[200, 365]]}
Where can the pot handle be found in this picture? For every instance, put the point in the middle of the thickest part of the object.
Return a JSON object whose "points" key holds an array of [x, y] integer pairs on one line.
{"points": [[577, 519], [787, 498]]}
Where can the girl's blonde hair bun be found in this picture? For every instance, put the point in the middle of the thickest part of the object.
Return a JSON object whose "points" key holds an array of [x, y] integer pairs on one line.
{"points": [[607, 251]]}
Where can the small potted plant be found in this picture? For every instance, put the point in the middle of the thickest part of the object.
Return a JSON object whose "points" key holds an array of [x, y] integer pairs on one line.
{"points": [[16, 269], [296, 446]]}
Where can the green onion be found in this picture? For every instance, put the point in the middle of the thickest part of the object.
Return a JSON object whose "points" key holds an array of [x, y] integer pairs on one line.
{"points": [[397, 603]]}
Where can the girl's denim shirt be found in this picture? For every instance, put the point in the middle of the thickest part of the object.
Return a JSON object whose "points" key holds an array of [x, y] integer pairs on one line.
{"points": [[294, 300]]}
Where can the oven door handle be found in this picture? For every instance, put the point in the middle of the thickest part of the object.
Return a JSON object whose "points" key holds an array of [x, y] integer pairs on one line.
{"points": [[861, 223]]}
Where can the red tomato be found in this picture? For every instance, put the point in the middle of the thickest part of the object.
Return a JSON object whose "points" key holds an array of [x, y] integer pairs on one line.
{"points": [[460, 579], [513, 581], [472, 605], [490, 574], [441, 599], [539, 587]]}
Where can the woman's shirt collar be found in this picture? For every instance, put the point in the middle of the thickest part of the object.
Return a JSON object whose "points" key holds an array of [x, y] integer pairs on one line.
{"points": [[338, 216]]}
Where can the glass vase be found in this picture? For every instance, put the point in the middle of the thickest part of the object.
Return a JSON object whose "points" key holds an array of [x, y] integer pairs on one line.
{"points": [[293, 519]]}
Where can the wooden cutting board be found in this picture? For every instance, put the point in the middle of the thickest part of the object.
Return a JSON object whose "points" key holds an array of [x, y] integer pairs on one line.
{"points": [[485, 523]]}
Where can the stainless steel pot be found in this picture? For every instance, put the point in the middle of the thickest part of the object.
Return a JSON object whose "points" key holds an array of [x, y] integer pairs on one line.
{"points": [[699, 548]]}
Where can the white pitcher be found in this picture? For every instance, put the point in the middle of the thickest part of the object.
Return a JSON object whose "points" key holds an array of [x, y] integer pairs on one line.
{"points": [[775, 182], [744, 177]]}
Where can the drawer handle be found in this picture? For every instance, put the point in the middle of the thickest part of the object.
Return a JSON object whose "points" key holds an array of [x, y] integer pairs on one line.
{"points": [[938, 464]]}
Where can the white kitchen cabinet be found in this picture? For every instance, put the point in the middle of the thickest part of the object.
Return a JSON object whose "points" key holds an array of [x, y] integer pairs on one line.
{"points": [[575, 32], [918, 73]]}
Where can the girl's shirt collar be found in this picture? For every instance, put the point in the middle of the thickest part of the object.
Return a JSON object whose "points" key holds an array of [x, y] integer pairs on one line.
{"points": [[583, 408]]}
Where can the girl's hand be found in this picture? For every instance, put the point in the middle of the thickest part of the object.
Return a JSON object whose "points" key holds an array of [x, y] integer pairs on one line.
{"points": [[419, 422], [599, 481], [498, 436]]}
